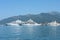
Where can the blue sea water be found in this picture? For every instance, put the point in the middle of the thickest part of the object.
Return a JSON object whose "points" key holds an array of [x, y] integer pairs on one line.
{"points": [[29, 33]]}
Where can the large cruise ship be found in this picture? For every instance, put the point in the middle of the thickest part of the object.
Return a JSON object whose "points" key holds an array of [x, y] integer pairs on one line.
{"points": [[54, 23], [15, 23], [19, 22], [31, 22]]}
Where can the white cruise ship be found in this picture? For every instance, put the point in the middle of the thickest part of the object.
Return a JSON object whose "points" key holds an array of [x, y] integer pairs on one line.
{"points": [[31, 22], [54, 24], [19, 22], [15, 23]]}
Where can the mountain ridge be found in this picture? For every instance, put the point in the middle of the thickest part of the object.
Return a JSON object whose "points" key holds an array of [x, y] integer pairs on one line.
{"points": [[39, 18]]}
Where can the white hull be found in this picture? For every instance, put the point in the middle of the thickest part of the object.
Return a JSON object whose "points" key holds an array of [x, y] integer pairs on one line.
{"points": [[31, 24], [12, 24]]}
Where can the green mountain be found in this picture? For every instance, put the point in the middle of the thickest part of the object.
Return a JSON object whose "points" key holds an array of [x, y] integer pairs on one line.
{"points": [[39, 18]]}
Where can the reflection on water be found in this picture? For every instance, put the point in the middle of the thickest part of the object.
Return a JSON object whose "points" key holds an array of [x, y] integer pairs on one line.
{"points": [[29, 33]]}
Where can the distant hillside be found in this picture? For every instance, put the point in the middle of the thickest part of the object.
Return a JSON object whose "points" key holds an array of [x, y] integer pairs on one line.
{"points": [[39, 18]]}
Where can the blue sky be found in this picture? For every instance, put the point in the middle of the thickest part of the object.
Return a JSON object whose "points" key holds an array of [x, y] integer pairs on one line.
{"points": [[10, 8]]}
